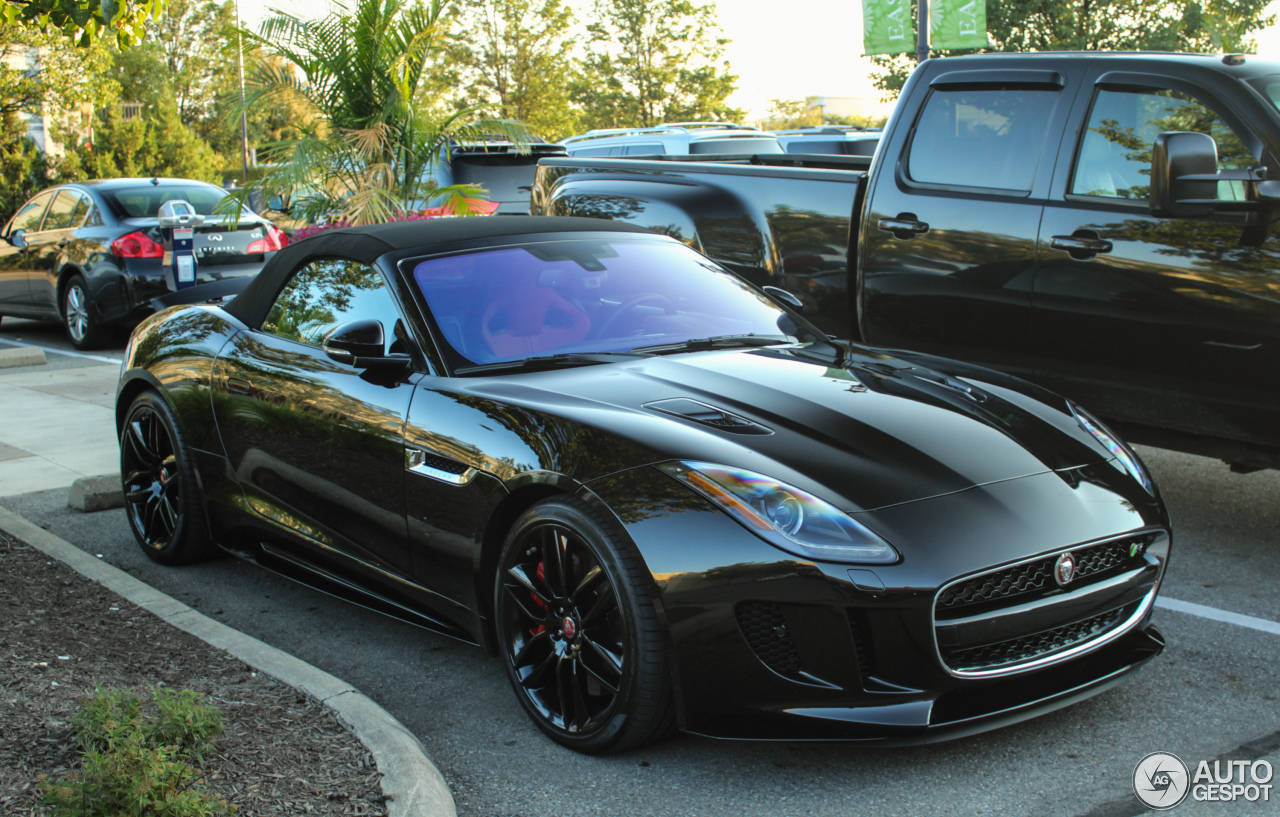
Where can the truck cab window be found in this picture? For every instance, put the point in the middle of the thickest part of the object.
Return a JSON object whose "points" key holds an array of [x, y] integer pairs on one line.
{"points": [[1115, 154], [988, 138]]}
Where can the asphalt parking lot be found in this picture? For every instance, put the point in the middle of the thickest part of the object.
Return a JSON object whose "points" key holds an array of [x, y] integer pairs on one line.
{"points": [[1212, 694]]}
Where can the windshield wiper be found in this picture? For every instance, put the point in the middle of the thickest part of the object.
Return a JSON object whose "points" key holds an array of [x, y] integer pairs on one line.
{"points": [[543, 362], [716, 342]]}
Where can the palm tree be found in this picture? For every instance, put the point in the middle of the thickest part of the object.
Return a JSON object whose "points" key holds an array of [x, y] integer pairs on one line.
{"points": [[374, 140]]}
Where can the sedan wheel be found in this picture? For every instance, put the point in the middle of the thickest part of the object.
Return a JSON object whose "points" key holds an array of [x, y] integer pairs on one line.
{"points": [[83, 330], [161, 497], [578, 631]]}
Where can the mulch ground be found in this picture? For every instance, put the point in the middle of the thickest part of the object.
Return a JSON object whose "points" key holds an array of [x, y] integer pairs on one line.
{"points": [[62, 637]]}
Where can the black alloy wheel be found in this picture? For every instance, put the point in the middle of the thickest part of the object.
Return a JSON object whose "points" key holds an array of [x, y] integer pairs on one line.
{"points": [[578, 632], [160, 492], [82, 327]]}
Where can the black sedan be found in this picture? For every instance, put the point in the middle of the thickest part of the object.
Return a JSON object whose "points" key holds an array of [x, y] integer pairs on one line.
{"points": [[663, 498], [89, 254]]}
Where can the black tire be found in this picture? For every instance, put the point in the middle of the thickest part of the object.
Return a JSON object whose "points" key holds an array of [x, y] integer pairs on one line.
{"points": [[583, 646], [83, 329], [162, 498]]}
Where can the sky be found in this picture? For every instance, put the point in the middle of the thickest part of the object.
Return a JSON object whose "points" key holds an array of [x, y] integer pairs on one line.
{"points": [[784, 49]]}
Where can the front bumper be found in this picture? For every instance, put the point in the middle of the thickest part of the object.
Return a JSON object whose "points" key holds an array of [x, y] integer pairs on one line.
{"points": [[768, 646]]}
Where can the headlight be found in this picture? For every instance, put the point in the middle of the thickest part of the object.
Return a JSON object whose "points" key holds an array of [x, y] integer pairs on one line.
{"points": [[787, 517], [1123, 453]]}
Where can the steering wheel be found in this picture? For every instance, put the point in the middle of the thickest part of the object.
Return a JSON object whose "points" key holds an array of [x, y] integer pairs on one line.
{"points": [[630, 304]]}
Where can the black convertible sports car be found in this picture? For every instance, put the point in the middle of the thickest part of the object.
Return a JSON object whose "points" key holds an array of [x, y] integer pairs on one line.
{"points": [[654, 490]]}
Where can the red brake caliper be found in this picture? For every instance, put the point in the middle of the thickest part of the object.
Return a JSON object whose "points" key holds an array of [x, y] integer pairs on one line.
{"points": [[541, 573]]}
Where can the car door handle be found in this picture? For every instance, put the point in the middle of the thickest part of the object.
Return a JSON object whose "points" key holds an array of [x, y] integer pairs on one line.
{"points": [[904, 226], [237, 386], [1081, 244]]}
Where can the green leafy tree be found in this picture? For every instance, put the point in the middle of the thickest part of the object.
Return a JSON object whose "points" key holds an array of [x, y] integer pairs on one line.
{"points": [[83, 21], [373, 140], [181, 58], [1103, 25], [512, 59], [654, 61], [791, 113], [60, 78], [156, 143]]}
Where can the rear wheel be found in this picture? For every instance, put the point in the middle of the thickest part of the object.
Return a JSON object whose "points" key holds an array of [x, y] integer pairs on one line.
{"points": [[82, 327], [162, 499], [578, 632]]}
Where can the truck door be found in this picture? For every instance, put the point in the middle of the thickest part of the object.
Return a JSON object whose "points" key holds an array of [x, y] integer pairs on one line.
{"points": [[949, 230], [1167, 322]]}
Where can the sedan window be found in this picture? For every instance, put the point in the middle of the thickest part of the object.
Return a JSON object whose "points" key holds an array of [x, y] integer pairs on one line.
{"points": [[590, 295], [327, 293], [145, 201], [28, 218], [67, 211]]}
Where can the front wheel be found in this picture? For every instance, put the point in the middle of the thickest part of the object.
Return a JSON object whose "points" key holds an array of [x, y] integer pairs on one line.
{"points": [[578, 632], [162, 500], [82, 327]]}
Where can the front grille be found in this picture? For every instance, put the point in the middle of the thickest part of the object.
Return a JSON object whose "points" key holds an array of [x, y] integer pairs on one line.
{"points": [[1030, 647], [1022, 582], [766, 631]]}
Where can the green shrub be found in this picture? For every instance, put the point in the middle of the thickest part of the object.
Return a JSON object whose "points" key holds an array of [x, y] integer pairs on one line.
{"points": [[184, 722], [139, 765]]}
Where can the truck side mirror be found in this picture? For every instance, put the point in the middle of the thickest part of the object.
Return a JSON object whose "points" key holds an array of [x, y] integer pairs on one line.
{"points": [[1184, 175]]}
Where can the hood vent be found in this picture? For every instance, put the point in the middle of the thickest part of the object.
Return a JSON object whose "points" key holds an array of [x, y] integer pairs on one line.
{"points": [[707, 415]]}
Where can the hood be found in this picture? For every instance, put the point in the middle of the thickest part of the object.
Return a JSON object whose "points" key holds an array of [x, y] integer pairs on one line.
{"points": [[873, 432]]}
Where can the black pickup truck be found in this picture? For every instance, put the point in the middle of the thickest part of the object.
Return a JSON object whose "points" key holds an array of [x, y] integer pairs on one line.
{"points": [[1098, 223]]}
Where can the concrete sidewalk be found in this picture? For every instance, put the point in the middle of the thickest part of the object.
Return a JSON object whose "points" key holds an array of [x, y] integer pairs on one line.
{"points": [[57, 423]]}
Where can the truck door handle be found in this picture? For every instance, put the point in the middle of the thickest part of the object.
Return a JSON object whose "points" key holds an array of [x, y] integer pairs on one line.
{"points": [[237, 386], [904, 226], [1081, 245]]}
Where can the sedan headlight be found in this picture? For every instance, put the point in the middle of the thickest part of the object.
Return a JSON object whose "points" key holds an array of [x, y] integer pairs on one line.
{"points": [[1123, 453], [787, 517]]}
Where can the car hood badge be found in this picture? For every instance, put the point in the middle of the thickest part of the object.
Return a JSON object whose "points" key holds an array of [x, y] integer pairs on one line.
{"points": [[1064, 570]]}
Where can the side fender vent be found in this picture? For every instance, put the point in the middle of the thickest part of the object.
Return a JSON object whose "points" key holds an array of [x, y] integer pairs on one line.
{"points": [[707, 415]]}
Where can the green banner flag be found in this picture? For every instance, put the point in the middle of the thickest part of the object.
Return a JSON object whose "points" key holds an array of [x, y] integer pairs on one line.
{"points": [[957, 24], [887, 27]]}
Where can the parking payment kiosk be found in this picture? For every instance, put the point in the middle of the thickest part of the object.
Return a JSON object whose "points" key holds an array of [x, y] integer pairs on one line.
{"points": [[178, 220]]}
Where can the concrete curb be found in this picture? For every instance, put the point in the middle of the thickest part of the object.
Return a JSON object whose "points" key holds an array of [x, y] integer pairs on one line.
{"points": [[413, 785], [22, 356], [92, 494]]}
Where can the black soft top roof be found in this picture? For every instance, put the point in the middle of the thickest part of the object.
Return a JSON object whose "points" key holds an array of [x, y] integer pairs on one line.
{"points": [[367, 244]]}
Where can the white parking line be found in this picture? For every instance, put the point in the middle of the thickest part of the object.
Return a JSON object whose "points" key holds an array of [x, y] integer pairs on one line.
{"points": [[62, 351], [1193, 609]]}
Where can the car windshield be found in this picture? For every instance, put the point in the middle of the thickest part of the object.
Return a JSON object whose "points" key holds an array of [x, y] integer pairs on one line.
{"points": [[1269, 87], [144, 200], [591, 295]]}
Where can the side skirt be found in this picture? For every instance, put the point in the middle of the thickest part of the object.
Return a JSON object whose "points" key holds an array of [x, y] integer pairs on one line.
{"points": [[296, 569]]}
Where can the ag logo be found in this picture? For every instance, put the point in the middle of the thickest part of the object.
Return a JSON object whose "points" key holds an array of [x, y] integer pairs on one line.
{"points": [[1161, 781]]}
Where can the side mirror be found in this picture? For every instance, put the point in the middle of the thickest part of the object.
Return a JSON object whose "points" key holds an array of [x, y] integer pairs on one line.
{"points": [[361, 344], [782, 296], [1184, 175], [18, 238]]}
